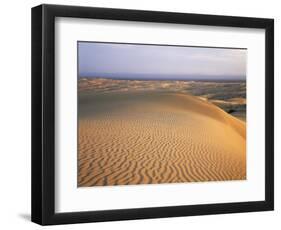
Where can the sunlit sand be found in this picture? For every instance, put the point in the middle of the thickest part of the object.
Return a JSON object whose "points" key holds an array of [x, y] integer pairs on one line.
{"points": [[155, 134]]}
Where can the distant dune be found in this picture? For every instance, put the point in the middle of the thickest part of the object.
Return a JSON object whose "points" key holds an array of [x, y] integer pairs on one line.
{"points": [[146, 137], [229, 96]]}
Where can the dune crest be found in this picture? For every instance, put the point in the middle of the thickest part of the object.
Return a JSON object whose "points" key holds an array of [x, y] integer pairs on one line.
{"points": [[148, 138]]}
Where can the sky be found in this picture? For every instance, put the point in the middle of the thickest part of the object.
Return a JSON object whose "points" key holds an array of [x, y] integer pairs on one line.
{"points": [[135, 61]]}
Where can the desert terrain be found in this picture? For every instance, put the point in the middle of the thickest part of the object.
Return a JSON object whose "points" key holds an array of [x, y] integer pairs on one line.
{"points": [[148, 132]]}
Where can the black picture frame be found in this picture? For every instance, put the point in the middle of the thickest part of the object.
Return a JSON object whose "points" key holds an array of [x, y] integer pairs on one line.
{"points": [[43, 114]]}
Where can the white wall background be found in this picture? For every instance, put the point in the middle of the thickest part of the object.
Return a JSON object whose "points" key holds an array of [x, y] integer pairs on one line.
{"points": [[15, 114]]}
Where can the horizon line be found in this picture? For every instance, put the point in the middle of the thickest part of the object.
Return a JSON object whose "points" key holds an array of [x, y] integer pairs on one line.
{"points": [[165, 79]]}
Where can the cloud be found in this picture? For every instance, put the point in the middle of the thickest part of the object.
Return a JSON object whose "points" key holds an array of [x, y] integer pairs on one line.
{"points": [[115, 60]]}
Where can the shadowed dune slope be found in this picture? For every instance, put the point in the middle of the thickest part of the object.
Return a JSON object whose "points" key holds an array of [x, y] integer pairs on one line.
{"points": [[146, 138]]}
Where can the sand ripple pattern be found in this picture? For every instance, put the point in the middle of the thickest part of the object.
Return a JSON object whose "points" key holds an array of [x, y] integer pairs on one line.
{"points": [[148, 139]]}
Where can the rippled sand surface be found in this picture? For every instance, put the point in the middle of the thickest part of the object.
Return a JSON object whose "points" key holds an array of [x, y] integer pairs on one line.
{"points": [[146, 137]]}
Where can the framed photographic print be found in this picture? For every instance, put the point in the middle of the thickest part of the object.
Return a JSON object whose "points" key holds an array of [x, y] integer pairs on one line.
{"points": [[142, 114]]}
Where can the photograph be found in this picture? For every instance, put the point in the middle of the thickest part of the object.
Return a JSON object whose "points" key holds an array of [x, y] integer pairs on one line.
{"points": [[158, 114], [141, 114]]}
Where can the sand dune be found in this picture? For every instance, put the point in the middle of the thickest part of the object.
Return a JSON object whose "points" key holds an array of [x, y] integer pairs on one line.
{"points": [[229, 96], [146, 138]]}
